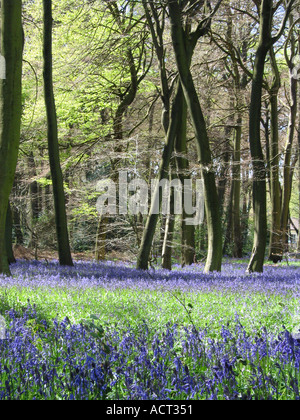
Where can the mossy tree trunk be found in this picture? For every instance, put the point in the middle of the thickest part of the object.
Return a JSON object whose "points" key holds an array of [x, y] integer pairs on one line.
{"points": [[53, 145], [10, 111]]}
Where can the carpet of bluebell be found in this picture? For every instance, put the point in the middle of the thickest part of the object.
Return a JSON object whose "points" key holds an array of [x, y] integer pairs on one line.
{"points": [[110, 332]]}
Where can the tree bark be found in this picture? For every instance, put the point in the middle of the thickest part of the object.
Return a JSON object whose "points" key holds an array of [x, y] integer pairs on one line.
{"points": [[10, 111], [236, 205], [266, 41], [298, 247], [8, 236], [152, 219], [229, 229], [182, 164], [183, 49], [17, 225], [100, 251], [259, 171], [53, 145], [287, 184], [169, 232], [34, 201], [275, 253]]}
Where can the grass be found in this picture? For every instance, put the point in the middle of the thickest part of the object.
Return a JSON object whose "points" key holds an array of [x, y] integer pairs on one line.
{"points": [[140, 314], [130, 307]]}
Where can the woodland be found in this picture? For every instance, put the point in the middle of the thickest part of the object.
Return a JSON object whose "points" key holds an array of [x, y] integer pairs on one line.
{"points": [[162, 91], [124, 97]]}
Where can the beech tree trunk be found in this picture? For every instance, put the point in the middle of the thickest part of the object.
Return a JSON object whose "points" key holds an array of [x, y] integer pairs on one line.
{"points": [[182, 163], [53, 145], [152, 219], [10, 111], [183, 48], [259, 171]]}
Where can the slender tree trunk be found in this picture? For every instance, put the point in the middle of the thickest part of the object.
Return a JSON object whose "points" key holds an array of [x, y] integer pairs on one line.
{"points": [[10, 111], [53, 145], [167, 246], [223, 177], [287, 184], [101, 239], [236, 205], [229, 219], [149, 231], [8, 236], [163, 220], [240, 84], [34, 201], [183, 52], [298, 248], [275, 253], [169, 231], [182, 163], [266, 125], [245, 217], [259, 171], [17, 225]]}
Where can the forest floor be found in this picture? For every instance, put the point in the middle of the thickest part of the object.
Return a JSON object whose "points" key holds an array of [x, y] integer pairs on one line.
{"points": [[108, 331], [23, 253]]}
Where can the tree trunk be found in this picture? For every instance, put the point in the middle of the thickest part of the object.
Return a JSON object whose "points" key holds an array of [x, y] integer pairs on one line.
{"points": [[246, 210], [223, 177], [236, 205], [183, 52], [275, 253], [298, 248], [10, 111], [17, 225], [287, 184], [149, 231], [259, 171], [34, 201], [8, 236], [229, 229], [266, 125], [53, 145], [182, 164], [169, 232], [101, 238]]}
